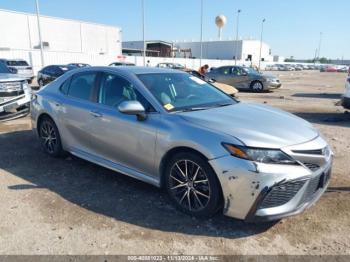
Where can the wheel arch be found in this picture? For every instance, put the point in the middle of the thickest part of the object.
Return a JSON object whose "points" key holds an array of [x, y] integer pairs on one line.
{"points": [[181, 149], [41, 117]]}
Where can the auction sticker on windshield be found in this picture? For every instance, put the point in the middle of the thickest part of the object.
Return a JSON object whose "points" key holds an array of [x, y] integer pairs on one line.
{"points": [[168, 106]]}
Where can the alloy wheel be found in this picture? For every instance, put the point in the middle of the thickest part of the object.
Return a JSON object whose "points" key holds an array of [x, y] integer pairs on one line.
{"points": [[189, 185], [49, 137], [257, 86]]}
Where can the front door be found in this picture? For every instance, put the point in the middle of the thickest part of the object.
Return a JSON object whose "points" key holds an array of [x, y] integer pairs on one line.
{"points": [[122, 138]]}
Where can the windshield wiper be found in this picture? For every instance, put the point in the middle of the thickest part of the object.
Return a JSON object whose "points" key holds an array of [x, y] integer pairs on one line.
{"points": [[222, 104], [192, 109]]}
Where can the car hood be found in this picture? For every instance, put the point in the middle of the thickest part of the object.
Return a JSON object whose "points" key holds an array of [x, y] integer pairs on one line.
{"points": [[269, 76], [255, 125], [10, 77]]}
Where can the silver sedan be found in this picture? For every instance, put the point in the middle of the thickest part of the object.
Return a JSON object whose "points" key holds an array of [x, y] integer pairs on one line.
{"points": [[173, 130]]}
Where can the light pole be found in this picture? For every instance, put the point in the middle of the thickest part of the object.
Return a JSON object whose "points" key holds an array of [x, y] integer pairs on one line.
{"points": [[261, 38], [237, 27], [39, 33], [201, 41], [143, 33], [319, 46]]}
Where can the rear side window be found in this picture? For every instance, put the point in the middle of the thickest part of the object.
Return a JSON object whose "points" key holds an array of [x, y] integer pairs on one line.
{"points": [[65, 86], [17, 63], [82, 86]]}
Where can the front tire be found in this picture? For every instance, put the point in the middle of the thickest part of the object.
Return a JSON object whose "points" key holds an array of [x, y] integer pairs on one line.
{"points": [[257, 86], [50, 138], [192, 185]]}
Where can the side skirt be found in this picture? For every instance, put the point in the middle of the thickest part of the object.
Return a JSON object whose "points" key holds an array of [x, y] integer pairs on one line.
{"points": [[115, 167]]}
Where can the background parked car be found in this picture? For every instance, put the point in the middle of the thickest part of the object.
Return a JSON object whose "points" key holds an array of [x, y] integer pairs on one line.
{"points": [[244, 78], [14, 94], [271, 68], [230, 90], [79, 65], [122, 64], [342, 69], [50, 73], [330, 69], [20, 67], [170, 65], [346, 96]]}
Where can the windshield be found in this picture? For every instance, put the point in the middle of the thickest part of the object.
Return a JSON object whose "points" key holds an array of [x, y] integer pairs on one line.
{"points": [[17, 63], [4, 69], [182, 92]]}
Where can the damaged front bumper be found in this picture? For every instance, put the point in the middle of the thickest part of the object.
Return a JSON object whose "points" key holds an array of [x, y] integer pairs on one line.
{"points": [[264, 192]]}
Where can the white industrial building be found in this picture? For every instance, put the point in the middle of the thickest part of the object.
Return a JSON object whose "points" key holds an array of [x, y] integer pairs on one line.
{"points": [[247, 51], [243, 50], [64, 40]]}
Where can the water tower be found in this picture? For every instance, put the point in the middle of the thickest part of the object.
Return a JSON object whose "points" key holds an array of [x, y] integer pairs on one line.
{"points": [[220, 22]]}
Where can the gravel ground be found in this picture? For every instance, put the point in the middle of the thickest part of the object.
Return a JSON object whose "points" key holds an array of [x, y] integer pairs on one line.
{"points": [[69, 206]]}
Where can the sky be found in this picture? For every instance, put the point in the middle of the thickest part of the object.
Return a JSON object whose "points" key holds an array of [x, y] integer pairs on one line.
{"points": [[292, 27]]}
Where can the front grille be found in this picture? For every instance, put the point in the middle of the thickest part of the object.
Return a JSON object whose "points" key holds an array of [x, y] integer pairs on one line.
{"points": [[281, 194], [311, 189], [311, 166], [12, 94], [10, 86]]}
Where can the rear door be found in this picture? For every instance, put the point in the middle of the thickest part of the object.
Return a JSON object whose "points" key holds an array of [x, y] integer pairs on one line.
{"points": [[77, 110]]}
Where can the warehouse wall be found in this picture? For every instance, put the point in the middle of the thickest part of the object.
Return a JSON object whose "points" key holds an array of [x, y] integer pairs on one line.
{"points": [[20, 31]]}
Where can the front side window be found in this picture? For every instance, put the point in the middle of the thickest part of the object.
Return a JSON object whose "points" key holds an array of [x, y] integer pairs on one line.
{"points": [[82, 85], [225, 70], [114, 90], [237, 71], [181, 91]]}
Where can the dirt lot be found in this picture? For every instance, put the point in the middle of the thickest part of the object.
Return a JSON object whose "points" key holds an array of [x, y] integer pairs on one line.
{"points": [[69, 206]]}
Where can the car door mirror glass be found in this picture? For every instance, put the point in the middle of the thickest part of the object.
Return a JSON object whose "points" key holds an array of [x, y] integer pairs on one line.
{"points": [[133, 108]]}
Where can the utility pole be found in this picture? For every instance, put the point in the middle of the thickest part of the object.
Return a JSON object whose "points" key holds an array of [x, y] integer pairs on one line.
{"points": [[143, 32], [201, 40], [319, 46], [39, 30], [261, 38], [237, 28]]}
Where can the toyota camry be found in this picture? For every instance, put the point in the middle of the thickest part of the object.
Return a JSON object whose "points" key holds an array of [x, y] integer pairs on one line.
{"points": [[173, 130]]}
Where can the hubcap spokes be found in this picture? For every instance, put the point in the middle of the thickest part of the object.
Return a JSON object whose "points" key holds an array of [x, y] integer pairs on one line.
{"points": [[48, 135], [257, 86], [189, 185]]}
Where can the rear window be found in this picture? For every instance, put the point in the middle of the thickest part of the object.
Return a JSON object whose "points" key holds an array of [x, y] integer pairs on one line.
{"points": [[17, 63], [81, 86]]}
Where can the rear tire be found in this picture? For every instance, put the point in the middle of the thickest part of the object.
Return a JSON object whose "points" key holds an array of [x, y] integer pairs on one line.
{"points": [[192, 185], [50, 138]]}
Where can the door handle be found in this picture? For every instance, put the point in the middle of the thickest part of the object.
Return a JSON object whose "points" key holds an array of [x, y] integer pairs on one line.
{"points": [[95, 114], [57, 104]]}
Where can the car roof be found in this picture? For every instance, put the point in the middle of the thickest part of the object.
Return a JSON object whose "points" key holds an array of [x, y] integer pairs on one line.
{"points": [[134, 70]]}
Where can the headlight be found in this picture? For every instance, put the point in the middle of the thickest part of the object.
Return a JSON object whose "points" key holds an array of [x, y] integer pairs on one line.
{"points": [[268, 156]]}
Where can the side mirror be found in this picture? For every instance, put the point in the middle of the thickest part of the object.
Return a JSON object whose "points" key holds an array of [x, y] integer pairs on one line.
{"points": [[133, 108]]}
